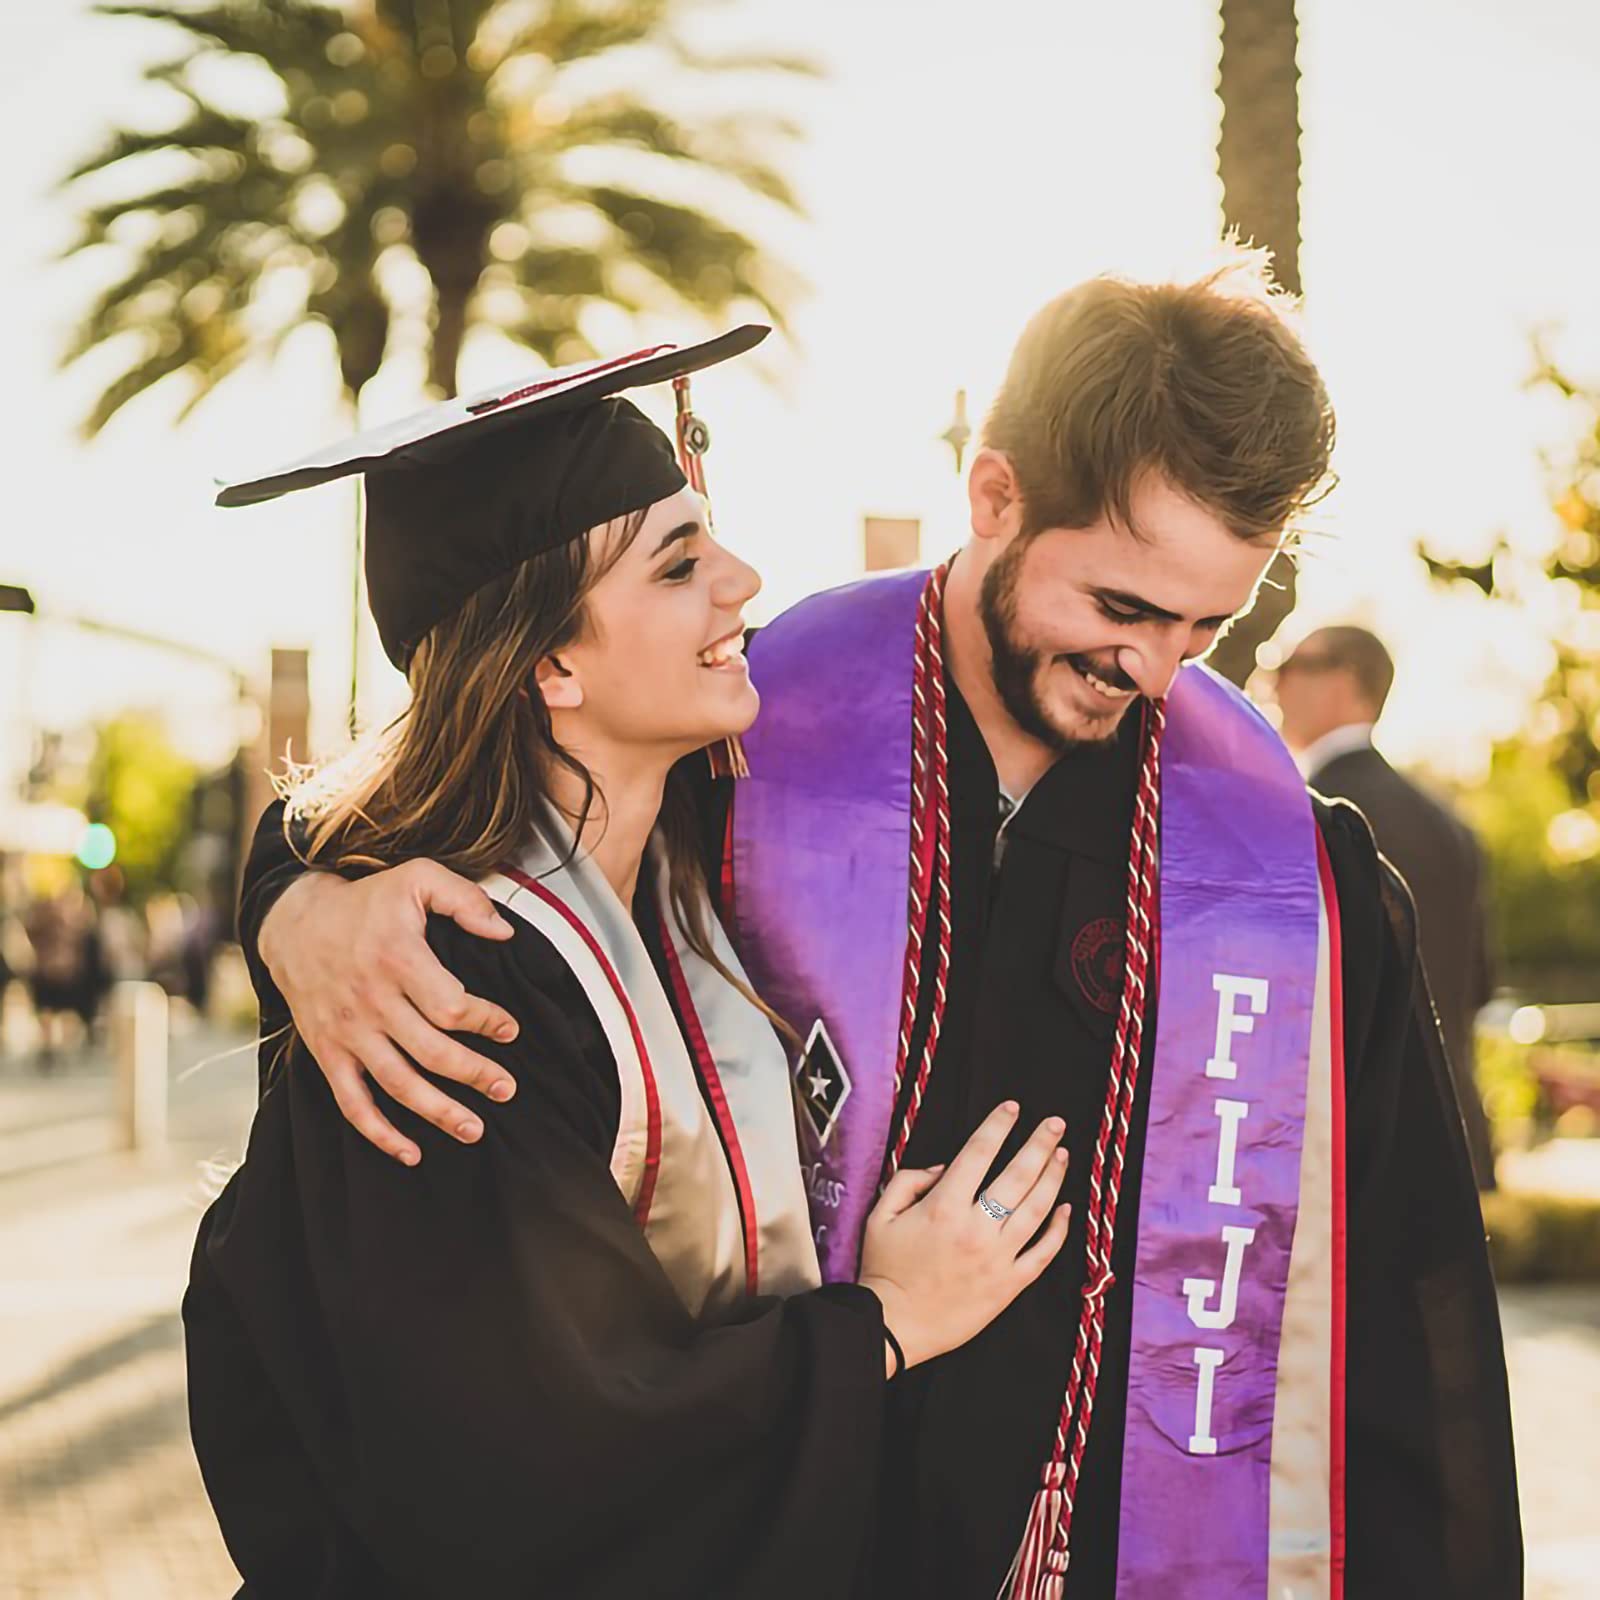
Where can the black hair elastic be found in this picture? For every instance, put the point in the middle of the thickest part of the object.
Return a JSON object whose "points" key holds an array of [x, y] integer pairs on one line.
{"points": [[899, 1354]]}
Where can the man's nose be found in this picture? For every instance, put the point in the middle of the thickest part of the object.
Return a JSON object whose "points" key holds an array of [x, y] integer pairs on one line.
{"points": [[1153, 664]]}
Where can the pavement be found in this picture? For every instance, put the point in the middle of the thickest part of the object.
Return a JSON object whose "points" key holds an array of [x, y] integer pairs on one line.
{"points": [[100, 1498]]}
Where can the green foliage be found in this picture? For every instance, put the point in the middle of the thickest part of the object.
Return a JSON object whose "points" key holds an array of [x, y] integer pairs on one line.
{"points": [[1505, 1080], [1546, 905], [1536, 1238], [1540, 811], [460, 136], [140, 786]]}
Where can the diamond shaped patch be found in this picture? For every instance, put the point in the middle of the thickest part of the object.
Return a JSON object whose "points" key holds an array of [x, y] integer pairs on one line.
{"points": [[824, 1083]]}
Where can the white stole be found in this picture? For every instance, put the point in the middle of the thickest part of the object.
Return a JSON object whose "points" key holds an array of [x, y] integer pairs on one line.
{"points": [[706, 1151]]}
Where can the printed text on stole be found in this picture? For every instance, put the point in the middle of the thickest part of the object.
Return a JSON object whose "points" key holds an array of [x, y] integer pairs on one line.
{"points": [[1210, 1308]]}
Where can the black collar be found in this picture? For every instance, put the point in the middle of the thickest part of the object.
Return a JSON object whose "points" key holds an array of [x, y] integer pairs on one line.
{"points": [[1083, 804]]}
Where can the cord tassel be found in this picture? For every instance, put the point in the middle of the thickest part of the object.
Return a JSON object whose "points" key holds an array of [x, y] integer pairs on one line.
{"points": [[1039, 1570]]}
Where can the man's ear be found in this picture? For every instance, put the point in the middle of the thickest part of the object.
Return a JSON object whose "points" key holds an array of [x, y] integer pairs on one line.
{"points": [[994, 495], [559, 685]]}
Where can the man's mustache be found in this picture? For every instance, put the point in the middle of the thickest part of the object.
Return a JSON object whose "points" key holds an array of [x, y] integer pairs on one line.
{"points": [[1106, 672]]}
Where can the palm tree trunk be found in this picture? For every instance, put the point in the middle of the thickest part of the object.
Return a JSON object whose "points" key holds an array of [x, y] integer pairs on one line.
{"points": [[357, 561], [1258, 153], [449, 330], [1258, 156], [362, 331]]}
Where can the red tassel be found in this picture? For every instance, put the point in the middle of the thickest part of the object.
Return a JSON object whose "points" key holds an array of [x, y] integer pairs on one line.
{"points": [[1039, 1571], [727, 758]]}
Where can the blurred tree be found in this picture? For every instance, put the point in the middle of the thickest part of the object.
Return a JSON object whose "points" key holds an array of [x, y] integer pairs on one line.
{"points": [[507, 151], [454, 135], [1540, 811], [1258, 159], [140, 787]]}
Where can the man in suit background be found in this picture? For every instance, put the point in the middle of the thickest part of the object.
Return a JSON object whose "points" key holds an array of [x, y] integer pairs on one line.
{"points": [[1331, 691]]}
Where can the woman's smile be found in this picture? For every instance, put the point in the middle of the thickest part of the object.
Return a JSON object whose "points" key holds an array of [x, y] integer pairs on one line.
{"points": [[726, 654]]}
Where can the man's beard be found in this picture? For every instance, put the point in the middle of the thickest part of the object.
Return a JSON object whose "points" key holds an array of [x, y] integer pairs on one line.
{"points": [[1017, 669]]}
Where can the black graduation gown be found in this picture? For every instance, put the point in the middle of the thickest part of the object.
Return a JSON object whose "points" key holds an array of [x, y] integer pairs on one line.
{"points": [[474, 1379], [1035, 979], [1431, 1504]]}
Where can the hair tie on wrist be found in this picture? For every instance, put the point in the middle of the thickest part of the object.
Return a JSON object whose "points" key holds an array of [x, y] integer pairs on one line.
{"points": [[899, 1354]]}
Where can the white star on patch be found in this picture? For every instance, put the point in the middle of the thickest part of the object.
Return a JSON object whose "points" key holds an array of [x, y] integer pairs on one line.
{"points": [[824, 1082]]}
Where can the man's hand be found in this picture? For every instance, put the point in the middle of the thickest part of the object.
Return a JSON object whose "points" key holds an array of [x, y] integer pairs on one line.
{"points": [[353, 962]]}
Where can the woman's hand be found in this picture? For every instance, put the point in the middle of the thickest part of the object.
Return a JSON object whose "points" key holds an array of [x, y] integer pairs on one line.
{"points": [[942, 1266], [352, 961]]}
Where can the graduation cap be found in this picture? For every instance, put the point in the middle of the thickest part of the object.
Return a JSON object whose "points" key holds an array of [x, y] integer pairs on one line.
{"points": [[463, 492]]}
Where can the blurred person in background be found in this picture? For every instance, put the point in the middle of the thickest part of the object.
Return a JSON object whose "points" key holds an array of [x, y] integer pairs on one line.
{"points": [[164, 942], [68, 977], [1332, 690], [122, 929]]}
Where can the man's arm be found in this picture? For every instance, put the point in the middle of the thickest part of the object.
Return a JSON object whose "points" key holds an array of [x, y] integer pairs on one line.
{"points": [[1431, 1492], [350, 962]]}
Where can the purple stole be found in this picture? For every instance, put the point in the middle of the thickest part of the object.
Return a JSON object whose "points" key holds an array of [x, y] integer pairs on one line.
{"points": [[1233, 1444]]}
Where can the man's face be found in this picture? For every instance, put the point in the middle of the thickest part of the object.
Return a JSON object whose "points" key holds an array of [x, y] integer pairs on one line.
{"points": [[1082, 621]]}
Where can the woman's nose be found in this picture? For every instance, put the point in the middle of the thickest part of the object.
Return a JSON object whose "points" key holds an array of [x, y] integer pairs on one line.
{"points": [[737, 583]]}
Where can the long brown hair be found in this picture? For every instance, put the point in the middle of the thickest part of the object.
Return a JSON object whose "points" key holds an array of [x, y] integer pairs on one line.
{"points": [[461, 775]]}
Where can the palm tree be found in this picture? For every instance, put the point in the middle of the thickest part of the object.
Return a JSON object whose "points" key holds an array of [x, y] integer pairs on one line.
{"points": [[1258, 156], [501, 147]]}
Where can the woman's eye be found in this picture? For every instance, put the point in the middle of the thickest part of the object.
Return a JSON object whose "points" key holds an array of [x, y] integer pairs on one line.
{"points": [[684, 569]]}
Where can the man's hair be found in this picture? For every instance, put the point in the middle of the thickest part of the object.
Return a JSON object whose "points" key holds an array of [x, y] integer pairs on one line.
{"points": [[1205, 384], [1362, 654]]}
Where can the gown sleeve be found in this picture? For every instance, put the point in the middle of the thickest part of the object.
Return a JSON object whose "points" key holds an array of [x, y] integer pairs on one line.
{"points": [[1431, 1492], [485, 1373], [269, 869]]}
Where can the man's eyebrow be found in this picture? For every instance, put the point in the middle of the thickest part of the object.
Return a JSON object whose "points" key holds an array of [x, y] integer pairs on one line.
{"points": [[1148, 608], [1133, 602], [684, 530]]}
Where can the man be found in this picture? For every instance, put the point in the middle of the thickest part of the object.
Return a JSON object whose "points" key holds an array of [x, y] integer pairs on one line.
{"points": [[1100, 912], [1331, 690]]}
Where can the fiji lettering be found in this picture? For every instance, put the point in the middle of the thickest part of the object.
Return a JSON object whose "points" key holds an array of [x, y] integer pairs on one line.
{"points": [[1213, 1307]]}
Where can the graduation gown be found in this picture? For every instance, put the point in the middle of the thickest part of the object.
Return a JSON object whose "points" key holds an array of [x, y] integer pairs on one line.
{"points": [[1037, 907], [474, 1378]]}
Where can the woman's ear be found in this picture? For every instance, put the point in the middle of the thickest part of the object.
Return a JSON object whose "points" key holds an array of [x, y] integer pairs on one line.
{"points": [[560, 687]]}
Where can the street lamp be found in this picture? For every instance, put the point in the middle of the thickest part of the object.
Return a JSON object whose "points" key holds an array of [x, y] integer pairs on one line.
{"points": [[13, 597]]}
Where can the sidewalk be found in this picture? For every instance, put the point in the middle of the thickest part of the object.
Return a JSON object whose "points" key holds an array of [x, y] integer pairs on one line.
{"points": [[99, 1487], [99, 1493]]}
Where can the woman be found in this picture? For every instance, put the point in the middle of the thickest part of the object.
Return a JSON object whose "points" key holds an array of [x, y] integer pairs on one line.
{"points": [[590, 1356]]}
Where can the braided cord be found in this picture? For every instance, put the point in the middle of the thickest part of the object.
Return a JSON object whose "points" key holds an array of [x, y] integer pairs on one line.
{"points": [[1039, 1569], [935, 837]]}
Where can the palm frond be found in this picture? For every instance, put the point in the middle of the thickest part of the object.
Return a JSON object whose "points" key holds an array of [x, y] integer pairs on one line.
{"points": [[270, 31], [725, 145], [707, 264], [726, 61], [204, 131], [572, 30]]}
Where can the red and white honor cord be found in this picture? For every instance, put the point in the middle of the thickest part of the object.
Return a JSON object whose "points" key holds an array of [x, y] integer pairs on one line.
{"points": [[1039, 1571], [930, 857]]}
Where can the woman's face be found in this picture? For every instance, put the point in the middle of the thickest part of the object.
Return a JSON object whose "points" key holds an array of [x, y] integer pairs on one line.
{"points": [[660, 660]]}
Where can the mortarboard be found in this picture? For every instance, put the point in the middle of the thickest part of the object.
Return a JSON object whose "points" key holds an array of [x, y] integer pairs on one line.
{"points": [[466, 491]]}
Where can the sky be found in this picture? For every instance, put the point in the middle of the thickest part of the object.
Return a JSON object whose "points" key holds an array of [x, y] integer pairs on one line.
{"points": [[964, 164]]}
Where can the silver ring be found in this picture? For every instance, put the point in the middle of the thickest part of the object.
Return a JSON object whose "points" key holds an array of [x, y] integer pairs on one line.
{"points": [[993, 1208]]}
